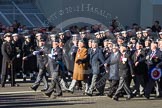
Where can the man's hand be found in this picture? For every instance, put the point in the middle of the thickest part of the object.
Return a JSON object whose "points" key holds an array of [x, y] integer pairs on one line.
{"points": [[133, 75], [136, 63], [24, 58], [46, 65], [105, 64], [50, 55], [18, 56], [35, 52]]}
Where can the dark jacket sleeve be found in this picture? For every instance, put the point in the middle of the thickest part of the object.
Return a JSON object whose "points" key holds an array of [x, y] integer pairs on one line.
{"points": [[59, 55], [4, 53], [114, 61], [101, 57], [130, 65]]}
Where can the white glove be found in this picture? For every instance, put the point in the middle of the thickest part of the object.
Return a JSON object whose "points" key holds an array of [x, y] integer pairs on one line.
{"points": [[50, 55], [35, 52], [147, 57], [18, 56], [55, 53]]}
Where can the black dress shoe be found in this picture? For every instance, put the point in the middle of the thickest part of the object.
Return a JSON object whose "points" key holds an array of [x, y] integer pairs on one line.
{"points": [[109, 95], [13, 85], [2, 85], [48, 94], [58, 94], [158, 96], [17, 85], [121, 95], [33, 88], [89, 94], [55, 95], [24, 79], [99, 94], [146, 96], [115, 98], [32, 79], [43, 90], [70, 91]]}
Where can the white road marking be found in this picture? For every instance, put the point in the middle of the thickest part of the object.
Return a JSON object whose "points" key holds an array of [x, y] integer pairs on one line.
{"points": [[18, 92], [60, 98]]}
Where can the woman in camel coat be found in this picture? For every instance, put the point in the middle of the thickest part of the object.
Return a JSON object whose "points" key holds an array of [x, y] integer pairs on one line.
{"points": [[80, 65]]}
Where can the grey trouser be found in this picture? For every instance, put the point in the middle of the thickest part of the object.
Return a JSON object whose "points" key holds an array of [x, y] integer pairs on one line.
{"points": [[123, 85]]}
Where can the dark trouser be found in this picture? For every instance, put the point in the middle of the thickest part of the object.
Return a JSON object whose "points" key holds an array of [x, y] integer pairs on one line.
{"points": [[161, 83], [9, 71], [41, 77], [123, 85], [98, 82], [139, 80], [101, 82], [3, 80], [54, 84], [113, 87], [150, 85]]}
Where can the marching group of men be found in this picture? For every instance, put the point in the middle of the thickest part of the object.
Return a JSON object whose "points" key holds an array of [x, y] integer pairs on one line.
{"points": [[119, 57]]}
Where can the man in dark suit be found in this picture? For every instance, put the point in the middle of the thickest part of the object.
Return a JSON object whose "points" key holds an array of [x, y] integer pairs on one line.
{"points": [[154, 57], [125, 71], [17, 43], [140, 69], [102, 77], [42, 60], [8, 53], [29, 65], [96, 60], [54, 59], [113, 72]]}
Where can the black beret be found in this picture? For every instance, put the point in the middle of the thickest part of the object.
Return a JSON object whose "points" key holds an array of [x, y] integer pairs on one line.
{"points": [[121, 37], [106, 40]]}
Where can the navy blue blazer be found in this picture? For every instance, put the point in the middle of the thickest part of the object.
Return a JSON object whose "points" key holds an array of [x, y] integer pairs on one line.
{"points": [[96, 60]]}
